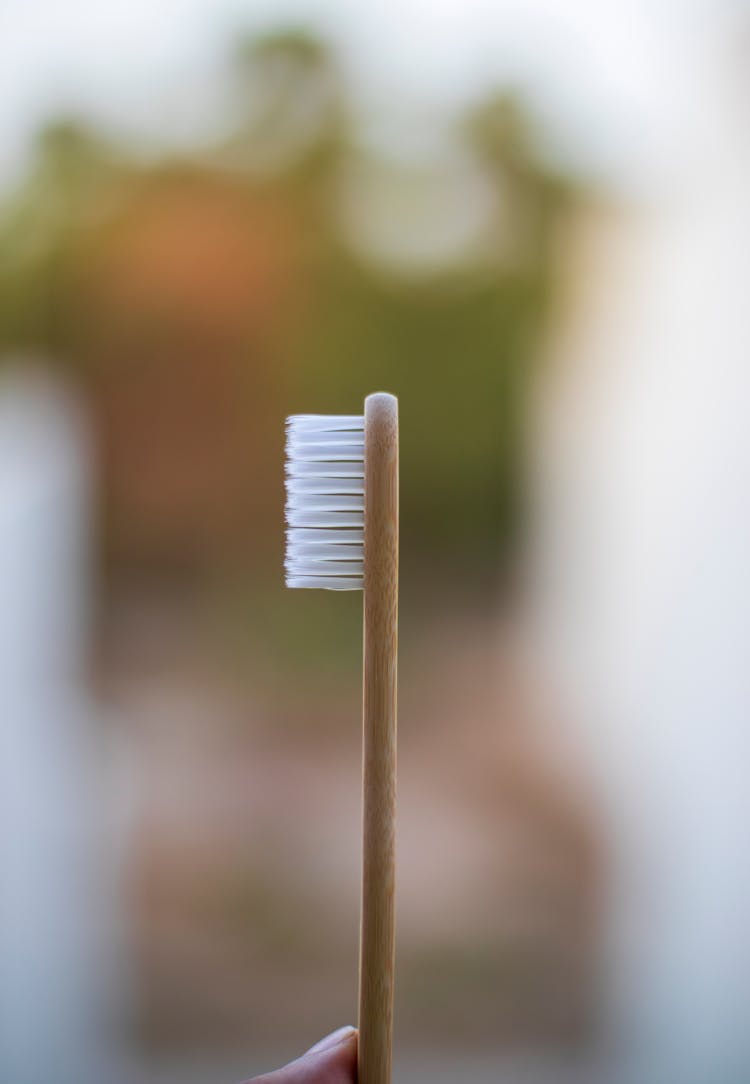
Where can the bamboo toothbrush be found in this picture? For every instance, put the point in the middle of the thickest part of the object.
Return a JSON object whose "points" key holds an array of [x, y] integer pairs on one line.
{"points": [[342, 534]]}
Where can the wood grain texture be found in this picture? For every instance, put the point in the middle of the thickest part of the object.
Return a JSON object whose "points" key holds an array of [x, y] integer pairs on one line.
{"points": [[377, 943]]}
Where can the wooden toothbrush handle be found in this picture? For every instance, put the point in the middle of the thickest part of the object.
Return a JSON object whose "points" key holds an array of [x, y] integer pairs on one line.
{"points": [[376, 959]]}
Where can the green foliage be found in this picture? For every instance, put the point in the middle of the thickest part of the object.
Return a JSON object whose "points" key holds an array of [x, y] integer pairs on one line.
{"points": [[73, 180], [456, 340]]}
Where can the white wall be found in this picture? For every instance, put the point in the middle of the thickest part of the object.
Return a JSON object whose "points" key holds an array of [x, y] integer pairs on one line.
{"points": [[52, 998], [643, 590]]}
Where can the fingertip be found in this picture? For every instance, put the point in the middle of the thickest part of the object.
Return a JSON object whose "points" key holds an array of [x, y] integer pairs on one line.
{"points": [[340, 1035], [335, 1062]]}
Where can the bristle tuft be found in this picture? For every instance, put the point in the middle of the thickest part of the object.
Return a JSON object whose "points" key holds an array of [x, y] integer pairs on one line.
{"points": [[325, 501]]}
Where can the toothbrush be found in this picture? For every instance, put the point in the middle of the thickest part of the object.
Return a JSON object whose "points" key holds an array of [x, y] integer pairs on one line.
{"points": [[342, 535]]}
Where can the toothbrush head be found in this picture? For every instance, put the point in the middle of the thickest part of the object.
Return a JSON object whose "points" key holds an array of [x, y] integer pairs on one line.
{"points": [[325, 487]]}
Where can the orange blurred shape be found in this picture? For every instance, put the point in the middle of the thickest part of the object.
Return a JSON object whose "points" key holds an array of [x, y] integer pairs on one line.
{"points": [[184, 314]]}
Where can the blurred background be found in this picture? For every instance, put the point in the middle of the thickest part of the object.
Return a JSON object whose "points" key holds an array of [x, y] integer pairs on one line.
{"points": [[531, 222]]}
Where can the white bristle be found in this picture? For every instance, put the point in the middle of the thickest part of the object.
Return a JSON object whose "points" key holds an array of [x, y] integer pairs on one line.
{"points": [[325, 501], [323, 485], [319, 551], [324, 470], [325, 423]]}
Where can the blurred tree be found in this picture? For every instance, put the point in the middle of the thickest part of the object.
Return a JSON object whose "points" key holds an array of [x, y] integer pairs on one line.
{"points": [[203, 300], [292, 106], [72, 183]]}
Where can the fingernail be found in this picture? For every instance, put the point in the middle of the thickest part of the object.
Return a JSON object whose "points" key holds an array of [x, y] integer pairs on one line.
{"points": [[333, 1039]]}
